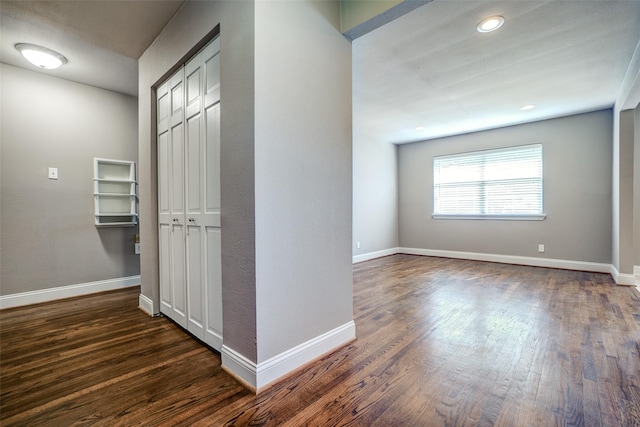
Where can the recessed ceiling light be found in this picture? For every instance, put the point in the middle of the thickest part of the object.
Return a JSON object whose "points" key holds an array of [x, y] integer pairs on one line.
{"points": [[40, 56], [420, 129], [528, 107], [490, 24]]}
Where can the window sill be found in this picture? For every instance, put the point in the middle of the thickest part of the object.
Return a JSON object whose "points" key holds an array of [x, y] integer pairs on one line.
{"points": [[504, 217]]}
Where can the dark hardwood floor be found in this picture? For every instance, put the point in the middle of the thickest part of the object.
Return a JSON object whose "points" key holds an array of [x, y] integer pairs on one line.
{"points": [[441, 342]]}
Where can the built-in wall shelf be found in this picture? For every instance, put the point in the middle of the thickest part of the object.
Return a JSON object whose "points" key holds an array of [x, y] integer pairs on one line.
{"points": [[114, 193]]}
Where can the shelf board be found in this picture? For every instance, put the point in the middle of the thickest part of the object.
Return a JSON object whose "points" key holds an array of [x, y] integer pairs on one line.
{"points": [[116, 224], [128, 181]]}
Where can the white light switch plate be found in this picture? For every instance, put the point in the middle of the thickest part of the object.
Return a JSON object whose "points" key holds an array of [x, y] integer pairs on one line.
{"points": [[53, 173]]}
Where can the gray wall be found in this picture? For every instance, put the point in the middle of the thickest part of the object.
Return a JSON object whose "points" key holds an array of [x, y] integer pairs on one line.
{"points": [[375, 192], [286, 167], [47, 230], [302, 174], [577, 193], [188, 27]]}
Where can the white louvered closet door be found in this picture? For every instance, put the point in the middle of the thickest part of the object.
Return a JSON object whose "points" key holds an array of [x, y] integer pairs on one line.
{"points": [[201, 189]]}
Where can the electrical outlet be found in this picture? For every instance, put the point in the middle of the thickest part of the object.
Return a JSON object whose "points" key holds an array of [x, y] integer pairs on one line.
{"points": [[540, 248], [53, 173], [358, 245]]}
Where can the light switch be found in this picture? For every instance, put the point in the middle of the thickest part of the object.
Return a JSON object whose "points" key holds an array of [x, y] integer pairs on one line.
{"points": [[53, 173]]}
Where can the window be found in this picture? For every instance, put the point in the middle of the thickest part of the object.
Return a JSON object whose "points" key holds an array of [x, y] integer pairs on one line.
{"points": [[492, 184]]}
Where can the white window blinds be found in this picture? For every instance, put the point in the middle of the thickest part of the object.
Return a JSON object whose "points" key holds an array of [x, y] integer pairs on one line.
{"points": [[504, 182]]}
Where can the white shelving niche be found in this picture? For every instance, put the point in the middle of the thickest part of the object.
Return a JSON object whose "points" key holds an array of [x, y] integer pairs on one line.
{"points": [[114, 193]]}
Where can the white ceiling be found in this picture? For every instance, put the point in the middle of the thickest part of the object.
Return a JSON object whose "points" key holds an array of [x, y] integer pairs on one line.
{"points": [[429, 68], [102, 40], [432, 69]]}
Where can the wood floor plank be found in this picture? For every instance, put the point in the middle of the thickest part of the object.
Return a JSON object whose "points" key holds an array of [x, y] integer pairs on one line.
{"points": [[441, 342]]}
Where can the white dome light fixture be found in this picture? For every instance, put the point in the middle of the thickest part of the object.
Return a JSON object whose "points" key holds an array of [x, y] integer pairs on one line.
{"points": [[492, 23], [40, 56]]}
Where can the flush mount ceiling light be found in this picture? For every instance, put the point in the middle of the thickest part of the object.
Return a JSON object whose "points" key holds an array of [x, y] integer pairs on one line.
{"points": [[40, 56], [419, 129], [528, 107], [492, 23]]}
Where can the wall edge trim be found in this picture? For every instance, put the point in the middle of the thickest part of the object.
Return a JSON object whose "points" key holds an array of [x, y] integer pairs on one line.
{"points": [[146, 304], [239, 367], [258, 376], [513, 259], [376, 254], [70, 291], [622, 278], [619, 278]]}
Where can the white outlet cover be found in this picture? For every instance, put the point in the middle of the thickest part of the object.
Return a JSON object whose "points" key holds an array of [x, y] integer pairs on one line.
{"points": [[53, 173]]}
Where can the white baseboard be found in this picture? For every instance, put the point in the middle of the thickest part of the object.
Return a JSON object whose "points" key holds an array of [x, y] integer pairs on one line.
{"points": [[51, 294], [619, 278], [372, 255], [146, 304], [622, 278], [513, 259], [240, 367], [257, 376]]}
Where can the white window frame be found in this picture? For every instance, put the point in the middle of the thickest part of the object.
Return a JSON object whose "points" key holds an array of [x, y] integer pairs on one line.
{"points": [[480, 159]]}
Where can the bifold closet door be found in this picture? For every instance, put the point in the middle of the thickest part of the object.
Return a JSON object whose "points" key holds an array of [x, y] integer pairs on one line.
{"points": [[202, 137], [189, 196], [172, 231]]}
